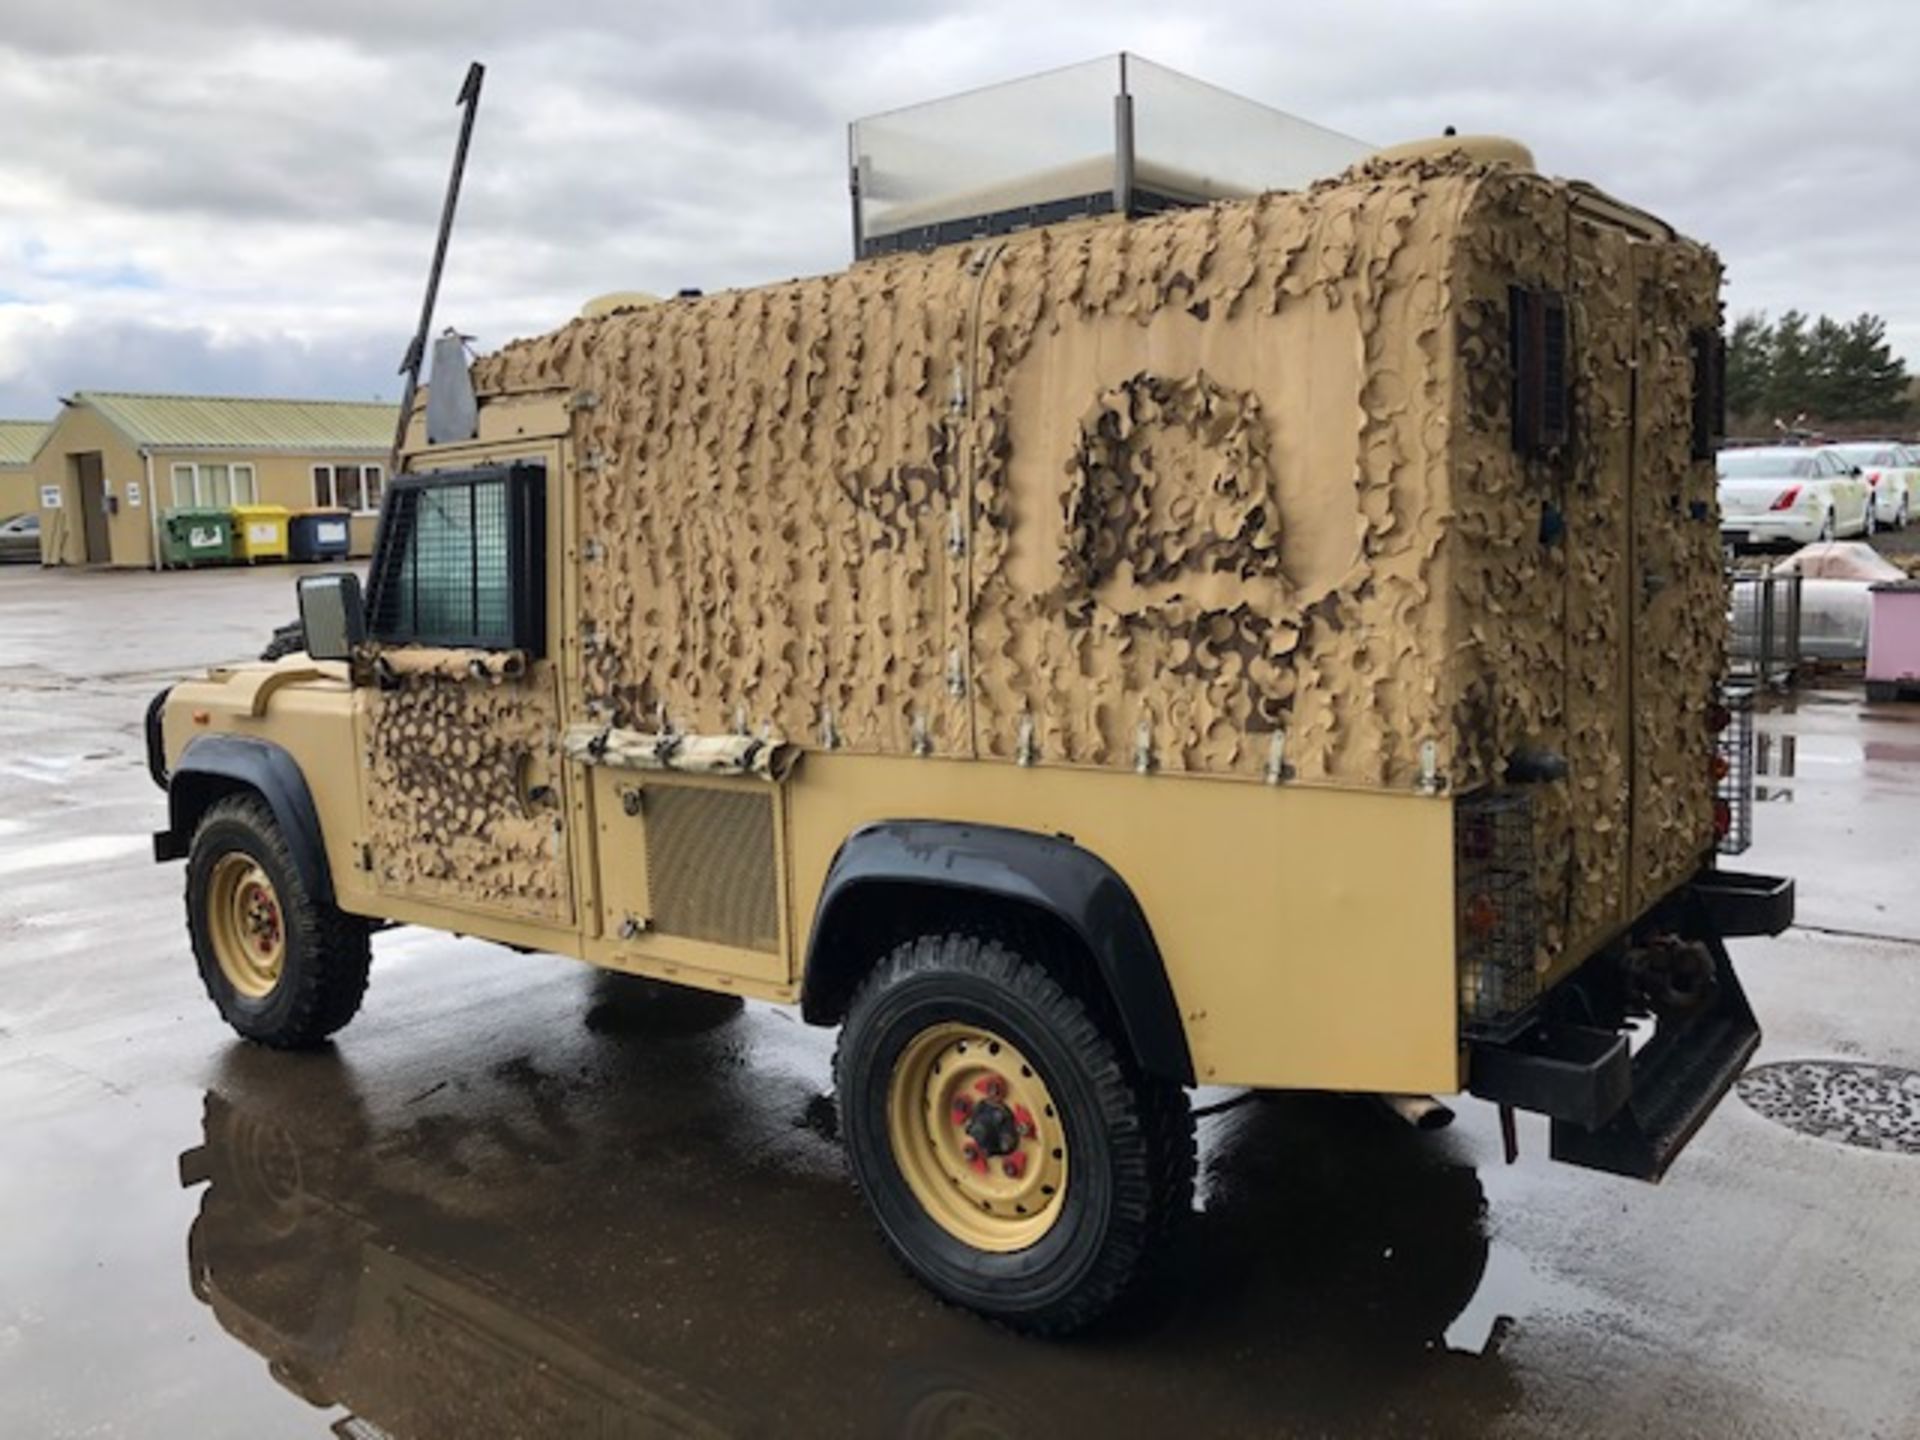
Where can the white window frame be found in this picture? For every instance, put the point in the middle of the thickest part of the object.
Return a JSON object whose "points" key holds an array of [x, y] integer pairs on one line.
{"points": [[373, 478], [200, 482]]}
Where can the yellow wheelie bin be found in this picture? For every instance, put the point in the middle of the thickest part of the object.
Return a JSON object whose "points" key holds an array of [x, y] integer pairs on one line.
{"points": [[260, 532]]}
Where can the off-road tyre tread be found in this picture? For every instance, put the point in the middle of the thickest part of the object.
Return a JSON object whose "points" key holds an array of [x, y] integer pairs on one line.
{"points": [[329, 952], [1148, 1121]]}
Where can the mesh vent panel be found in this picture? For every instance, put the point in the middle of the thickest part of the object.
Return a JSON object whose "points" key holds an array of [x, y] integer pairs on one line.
{"points": [[710, 863]]}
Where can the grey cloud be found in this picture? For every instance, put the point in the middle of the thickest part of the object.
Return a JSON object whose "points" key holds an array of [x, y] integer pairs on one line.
{"points": [[625, 146], [142, 355]]}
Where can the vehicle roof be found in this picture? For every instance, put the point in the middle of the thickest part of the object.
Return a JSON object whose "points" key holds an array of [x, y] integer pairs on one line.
{"points": [[1777, 449]]}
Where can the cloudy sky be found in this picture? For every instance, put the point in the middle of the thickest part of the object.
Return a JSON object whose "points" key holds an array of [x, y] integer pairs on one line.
{"points": [[238, 196]]}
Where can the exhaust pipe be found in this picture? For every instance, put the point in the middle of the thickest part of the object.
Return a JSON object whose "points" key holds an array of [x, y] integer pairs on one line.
{"points": [[1422, 1112]]}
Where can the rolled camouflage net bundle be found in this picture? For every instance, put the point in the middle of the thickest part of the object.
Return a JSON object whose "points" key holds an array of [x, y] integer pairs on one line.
{"points": [[695, 754]]}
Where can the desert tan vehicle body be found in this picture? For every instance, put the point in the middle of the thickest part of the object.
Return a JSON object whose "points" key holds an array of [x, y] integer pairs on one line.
{"points": [[1227, 559]]}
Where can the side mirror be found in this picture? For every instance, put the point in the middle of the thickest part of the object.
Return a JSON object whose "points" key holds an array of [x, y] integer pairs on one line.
{"points": [[332, 614], [1855, 471]]}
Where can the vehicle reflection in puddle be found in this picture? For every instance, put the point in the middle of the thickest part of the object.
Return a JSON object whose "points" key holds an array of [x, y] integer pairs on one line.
{"points": [[664, 1241]]}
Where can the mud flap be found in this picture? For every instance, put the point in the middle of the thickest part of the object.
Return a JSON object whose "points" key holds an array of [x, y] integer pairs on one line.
{"points": [[1679, 1076]]}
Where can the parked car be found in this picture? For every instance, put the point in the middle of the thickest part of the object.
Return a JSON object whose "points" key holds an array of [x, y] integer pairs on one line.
{"points": [[20, 539], [1787, 492], [1892, 472]]}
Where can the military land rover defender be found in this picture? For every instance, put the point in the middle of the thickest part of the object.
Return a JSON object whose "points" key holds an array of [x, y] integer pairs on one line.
{"points": [[1097, 644]]}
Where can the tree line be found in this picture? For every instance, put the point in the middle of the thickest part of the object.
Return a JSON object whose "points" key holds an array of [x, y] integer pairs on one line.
{"points": [[1821, 368]]}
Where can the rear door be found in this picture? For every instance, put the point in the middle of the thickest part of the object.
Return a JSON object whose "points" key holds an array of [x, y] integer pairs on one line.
{"points": [[1599, 556], [1675, 585]]}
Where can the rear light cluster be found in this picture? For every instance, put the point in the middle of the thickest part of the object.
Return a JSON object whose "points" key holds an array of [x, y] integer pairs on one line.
{"points": [[1873, 478], [1786, 499], [1496, 939], [1731, 766]]}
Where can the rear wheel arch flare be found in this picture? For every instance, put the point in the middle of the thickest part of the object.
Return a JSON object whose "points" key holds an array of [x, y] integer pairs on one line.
{"points": [[898, 878]]}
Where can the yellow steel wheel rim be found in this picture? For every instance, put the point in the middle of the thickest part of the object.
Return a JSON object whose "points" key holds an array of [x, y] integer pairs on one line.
{"points": [[977, 1137], [246, 924]]}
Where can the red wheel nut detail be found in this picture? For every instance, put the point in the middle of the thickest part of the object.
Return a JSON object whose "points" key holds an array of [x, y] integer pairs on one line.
{"points": [[961, 1109], [1014, 1166], [991, 1086], [1023, 1120]]}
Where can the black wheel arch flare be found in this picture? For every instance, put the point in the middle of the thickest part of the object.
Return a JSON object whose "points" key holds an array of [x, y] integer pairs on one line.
{"points": [[216, 765], [941, 863]]}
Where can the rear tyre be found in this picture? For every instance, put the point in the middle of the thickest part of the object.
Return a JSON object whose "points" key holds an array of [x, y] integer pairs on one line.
{"points": [[1013, 1156], [282, 966]]}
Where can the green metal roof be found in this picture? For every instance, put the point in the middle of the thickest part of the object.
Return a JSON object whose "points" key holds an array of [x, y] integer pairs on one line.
{"points": [[216, 422], [19, 439]]}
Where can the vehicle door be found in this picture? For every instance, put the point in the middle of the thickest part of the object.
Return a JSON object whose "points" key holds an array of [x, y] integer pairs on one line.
{"points": [[1850, 484], [463, 785]]}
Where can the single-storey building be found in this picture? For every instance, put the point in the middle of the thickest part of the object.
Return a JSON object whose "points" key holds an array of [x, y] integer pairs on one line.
{"points": [[111, 465], [18, 440]]}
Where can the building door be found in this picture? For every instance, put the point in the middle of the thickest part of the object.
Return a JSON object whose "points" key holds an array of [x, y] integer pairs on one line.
{"points": [[91, 474]]}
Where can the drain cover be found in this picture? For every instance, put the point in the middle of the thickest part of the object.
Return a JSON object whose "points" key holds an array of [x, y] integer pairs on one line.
{"points": [[1876, 1107]]}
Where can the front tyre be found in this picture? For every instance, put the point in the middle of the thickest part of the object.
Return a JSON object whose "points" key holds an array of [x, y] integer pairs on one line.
{"points": [[1013, 1156], [283, 967]]}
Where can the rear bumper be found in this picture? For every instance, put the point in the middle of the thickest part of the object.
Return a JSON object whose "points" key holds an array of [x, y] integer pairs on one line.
{"points": [[1770, 529], [1626, 1112]]}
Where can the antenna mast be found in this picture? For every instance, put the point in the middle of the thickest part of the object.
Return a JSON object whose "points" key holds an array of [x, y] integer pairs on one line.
{"points": [[469, 99]]}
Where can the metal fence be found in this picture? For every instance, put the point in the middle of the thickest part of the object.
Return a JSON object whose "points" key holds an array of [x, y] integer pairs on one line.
{"points": [[1733, 770], [1764, 613]]}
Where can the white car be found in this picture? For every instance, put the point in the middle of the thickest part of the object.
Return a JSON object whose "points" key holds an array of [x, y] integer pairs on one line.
{"points": [[1892, 472], [1793, 493]]}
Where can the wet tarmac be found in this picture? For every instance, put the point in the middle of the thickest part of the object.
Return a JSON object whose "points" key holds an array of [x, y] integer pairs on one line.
{"points": [[521, 1199]]}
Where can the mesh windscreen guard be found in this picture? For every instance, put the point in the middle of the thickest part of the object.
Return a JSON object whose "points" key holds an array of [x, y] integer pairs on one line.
{"points": [[1494, 904], [453, 583], [710, 865]]}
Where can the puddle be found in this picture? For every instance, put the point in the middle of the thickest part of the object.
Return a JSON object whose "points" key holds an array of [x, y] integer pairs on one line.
{"points": [[1511, 1292], [480, 1247]]}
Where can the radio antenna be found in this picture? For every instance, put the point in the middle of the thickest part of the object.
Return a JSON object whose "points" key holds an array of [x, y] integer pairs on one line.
{"points": [[469, 100]]}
